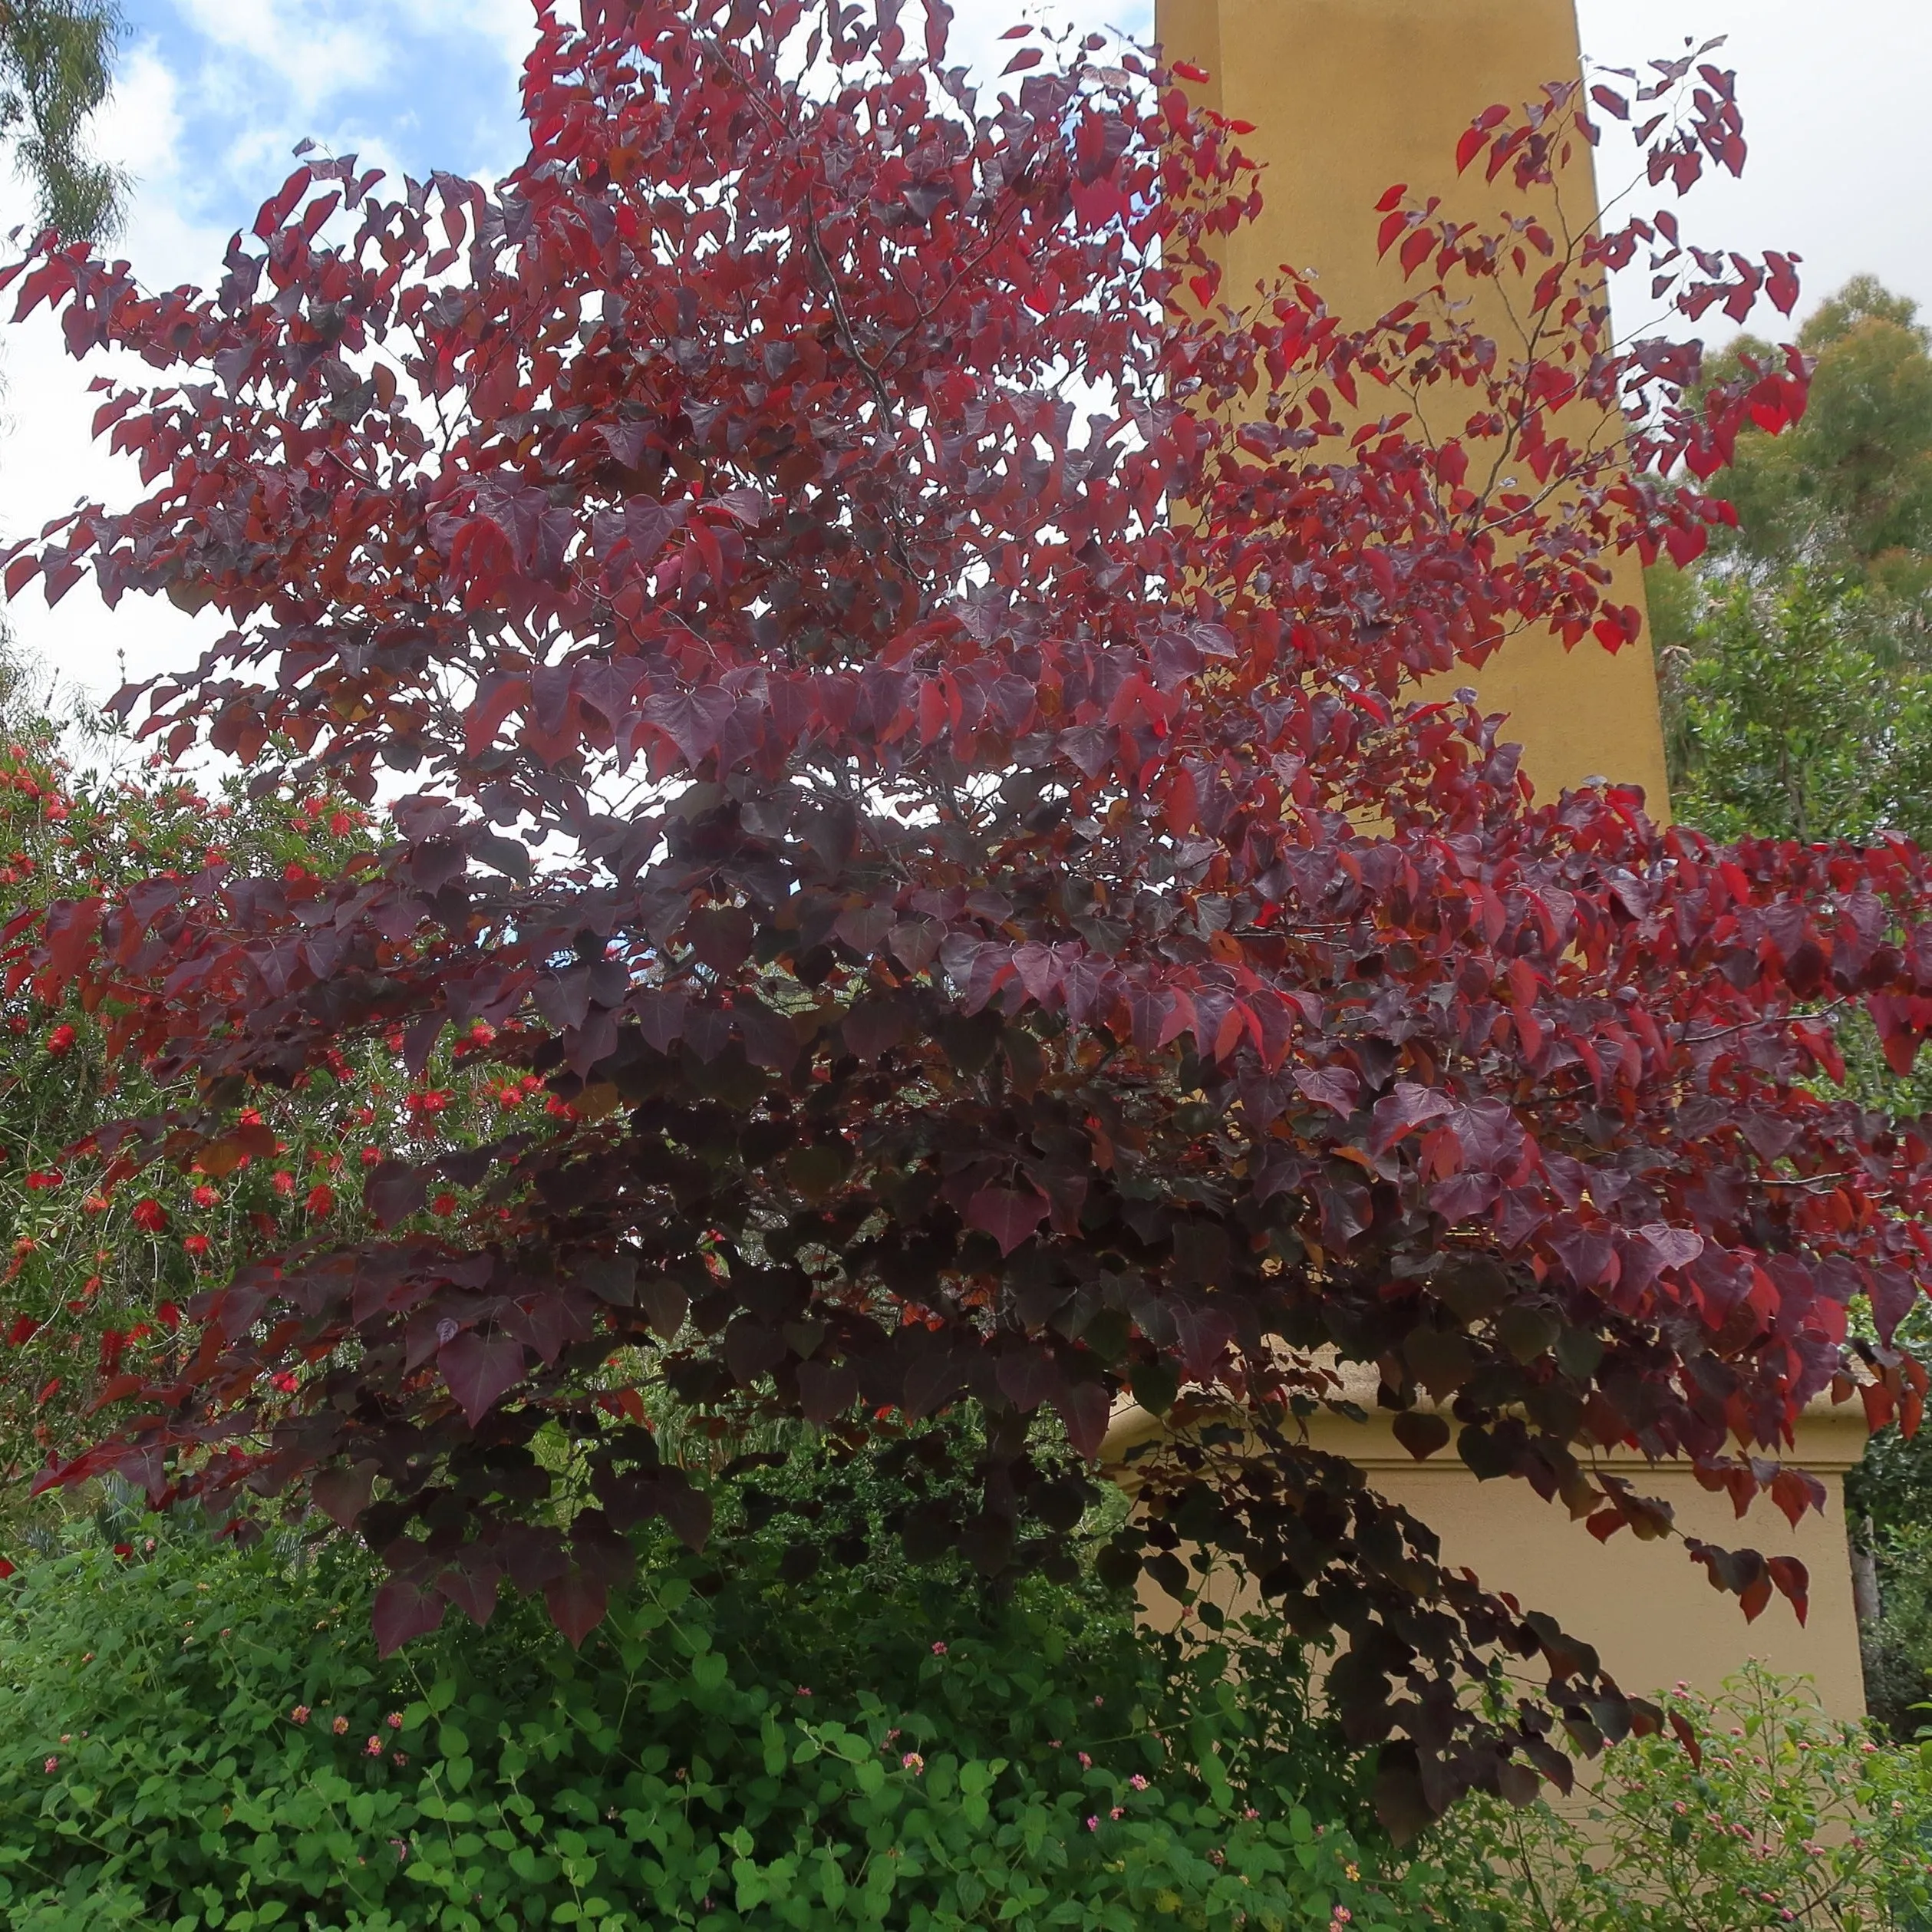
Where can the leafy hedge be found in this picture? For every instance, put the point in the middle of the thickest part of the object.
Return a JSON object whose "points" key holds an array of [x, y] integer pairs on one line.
{"points": [[1755, 1811], [198, 1736]]}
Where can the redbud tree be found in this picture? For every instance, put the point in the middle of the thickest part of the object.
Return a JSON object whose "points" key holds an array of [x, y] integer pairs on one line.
{"points": [[894, 691]]}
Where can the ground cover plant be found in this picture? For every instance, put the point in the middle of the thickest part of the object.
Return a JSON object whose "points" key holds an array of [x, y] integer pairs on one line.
{"points": [[198, 1736], [889, 691]]}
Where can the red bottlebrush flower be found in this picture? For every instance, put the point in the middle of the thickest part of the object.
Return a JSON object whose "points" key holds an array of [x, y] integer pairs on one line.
{"points": [[61, 1040], [206, 1196], [123, 1549], [444, 1204], [284, 1182], [341, 824], [21, 1331], [321, 1199], [197, 1244], [6, 1568], [150, 1216], [44, 1178], [169, 1316], [94, 1204], [370, 1155], [284, 1381]]}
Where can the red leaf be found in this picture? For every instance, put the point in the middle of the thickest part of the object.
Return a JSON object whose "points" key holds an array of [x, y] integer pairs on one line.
{"points": [[342, 1495], [393, 1191], [1187, 71], [1403, 1111], [577, 1604], [1687, 1737], [1333, 1087], [480, 1370], [403, 1612], [1794, 1581], [1009, 1214], [1084, 1408]]}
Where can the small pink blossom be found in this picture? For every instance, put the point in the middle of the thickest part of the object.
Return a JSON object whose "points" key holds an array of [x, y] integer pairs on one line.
{"points": [[374, 1747], [913, 1763], [299, 1715], [1139, 1782], [400, 1757], [1093, 1824], [1117, 1813], [939, 1649], [1086, 1763], [1343, 1915], [341, 1727], [53, 1764], [394, 1720]]}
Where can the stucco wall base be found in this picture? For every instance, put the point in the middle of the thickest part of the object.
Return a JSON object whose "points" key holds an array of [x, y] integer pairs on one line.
{"points": [[1653, 1613]]}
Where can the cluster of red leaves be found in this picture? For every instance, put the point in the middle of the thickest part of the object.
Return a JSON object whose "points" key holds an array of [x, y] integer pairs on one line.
{"points": [[973, 866]]}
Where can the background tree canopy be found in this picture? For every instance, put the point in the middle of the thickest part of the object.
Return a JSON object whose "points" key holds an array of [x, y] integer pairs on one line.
{"points": [[1796, 663], [1794, 659], [56, 68]]}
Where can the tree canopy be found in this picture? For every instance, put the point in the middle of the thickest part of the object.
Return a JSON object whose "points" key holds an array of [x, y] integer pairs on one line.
{"points": [[891, 693], [56, 68], [1796, 656]]}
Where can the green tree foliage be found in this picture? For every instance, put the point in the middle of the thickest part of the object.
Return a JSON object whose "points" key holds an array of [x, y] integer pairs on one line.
{"points": [[1790, 722], [1795, 656], [56, 68]]}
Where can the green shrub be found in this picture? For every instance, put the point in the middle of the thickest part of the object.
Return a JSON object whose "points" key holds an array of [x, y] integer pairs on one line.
{"points": [[198, 1736], [1778, 1818]]}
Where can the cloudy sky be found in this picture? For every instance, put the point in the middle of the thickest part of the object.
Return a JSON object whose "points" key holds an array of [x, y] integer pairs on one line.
{"points": [[214, 93]]}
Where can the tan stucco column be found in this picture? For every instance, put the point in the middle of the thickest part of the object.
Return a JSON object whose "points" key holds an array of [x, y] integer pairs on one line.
{"points": [[1349, 98], [1652, 1613]]}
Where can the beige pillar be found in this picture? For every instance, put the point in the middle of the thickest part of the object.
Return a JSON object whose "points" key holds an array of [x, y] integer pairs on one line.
{"points": [[1652, 1613], [1349, 98]]}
